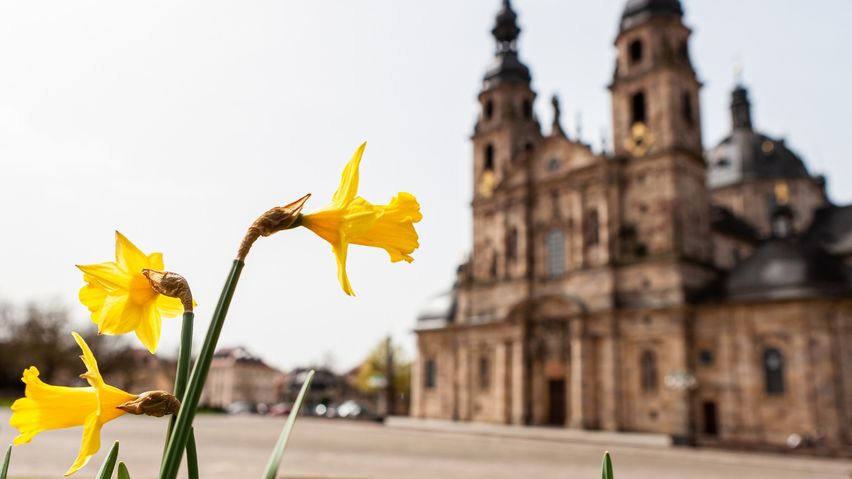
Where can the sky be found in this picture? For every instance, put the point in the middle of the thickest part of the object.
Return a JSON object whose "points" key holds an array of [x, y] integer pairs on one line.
{"points": [[178, 123]]}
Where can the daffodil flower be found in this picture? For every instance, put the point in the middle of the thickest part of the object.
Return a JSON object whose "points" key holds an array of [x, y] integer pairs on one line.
{"points": [[351, 219], [47, 407], [121, 298]]}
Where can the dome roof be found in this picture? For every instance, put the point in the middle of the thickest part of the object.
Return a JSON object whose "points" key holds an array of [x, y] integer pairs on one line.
{"points": [[787, 268], [747, 153], [506, 67], [637, 11]]}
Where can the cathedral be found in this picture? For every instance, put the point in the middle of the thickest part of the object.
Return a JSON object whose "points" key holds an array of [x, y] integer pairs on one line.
{"points": [[661, 287]]}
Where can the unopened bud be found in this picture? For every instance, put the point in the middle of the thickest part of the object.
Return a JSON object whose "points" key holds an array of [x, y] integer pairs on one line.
{"points": [[277, 219], [152, 403], [170, 284]]}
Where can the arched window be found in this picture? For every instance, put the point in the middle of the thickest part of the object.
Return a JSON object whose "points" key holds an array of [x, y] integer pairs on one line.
{"points": [[773, 371], [488, 163], [635, 51], [429, 374], [648, 365], [638, 108], [527, 109], [489, 109], [686, 109], [592, 229], [484, 373], [555, 253], [512, 244]]}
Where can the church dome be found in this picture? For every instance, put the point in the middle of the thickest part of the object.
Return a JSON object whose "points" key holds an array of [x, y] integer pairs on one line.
{"points": [[787, 268], [749, 154], [506, 67], [637, 11]]}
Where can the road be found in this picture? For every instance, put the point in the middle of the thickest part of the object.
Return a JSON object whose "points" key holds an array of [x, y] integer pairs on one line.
{"points": [[238, 446]]}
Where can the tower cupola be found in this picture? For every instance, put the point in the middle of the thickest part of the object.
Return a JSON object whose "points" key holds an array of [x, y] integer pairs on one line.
{"points": [[506, 67], [740, 108]]}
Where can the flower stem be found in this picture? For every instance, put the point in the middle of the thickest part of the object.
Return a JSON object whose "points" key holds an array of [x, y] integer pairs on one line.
{"points": [[191, 457], [181, 375], [189, 400]]}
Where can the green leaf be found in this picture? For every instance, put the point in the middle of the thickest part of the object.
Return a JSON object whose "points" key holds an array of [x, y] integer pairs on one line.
{"points": [[606, 473], [5, 468], [278, 452], [191, 456], [108, 466], [123, 473]]}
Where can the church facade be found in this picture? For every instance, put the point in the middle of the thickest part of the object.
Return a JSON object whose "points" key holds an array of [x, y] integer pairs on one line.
{"points": [[659, 287]]}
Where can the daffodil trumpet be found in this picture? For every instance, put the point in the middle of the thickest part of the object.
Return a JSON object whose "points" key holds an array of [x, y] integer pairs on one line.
{"points": [[46, 407]]}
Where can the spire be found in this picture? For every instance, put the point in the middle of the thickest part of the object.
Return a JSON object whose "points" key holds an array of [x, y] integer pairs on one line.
{"points": [[506, 68], [740, 108], [556, 129]]}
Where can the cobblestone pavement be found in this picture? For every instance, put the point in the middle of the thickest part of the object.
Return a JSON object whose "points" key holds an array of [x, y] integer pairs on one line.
{"points": [[238, 446]]}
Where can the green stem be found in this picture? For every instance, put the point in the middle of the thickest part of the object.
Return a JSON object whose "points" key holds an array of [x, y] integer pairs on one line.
{"points": [[4, 467], [189, 400], [184, 355], [191, 457]]}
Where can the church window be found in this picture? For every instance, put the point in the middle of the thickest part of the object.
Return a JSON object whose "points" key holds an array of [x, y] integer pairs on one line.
{"points": [[707, 357], [592, 227], [528, 147], [555, 253], [489, 110], [492, 270], [553, 164], [648, 365], [635, 51], [686, 105], [484, 373], [638, 108], [527, 108], [773, 370], [512, 244], [488, 163], [429, 376]]}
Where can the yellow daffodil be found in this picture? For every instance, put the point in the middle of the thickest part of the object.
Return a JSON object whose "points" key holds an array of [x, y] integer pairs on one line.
{"points": [[351, 219], [121, 298], [47, 407]]}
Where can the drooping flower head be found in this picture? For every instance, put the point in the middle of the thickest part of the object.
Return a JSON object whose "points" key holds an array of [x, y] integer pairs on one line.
{"points": [[350, 219], [121, 298], [45, 407]]}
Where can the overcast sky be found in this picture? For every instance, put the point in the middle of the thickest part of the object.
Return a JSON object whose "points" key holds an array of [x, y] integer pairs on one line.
{"points": [[177, 123]]}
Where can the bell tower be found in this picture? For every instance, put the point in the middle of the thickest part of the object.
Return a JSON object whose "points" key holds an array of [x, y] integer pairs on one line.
{"points": [[665, 205], [506, 132]]}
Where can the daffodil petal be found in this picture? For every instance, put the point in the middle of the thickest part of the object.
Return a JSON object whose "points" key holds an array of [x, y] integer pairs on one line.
{"points": [[92, 375], [155, 261], [107, 275], [128, 257], [119, 315], [93, 297], [394, 230], [46, 406], [169, 307], [325, 223], [349, 179], [340, 252], [149, 328], [89, 445]]}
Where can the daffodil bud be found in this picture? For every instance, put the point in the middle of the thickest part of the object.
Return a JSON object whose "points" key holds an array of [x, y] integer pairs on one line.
{"points": [[152, 403], [170, 284], [274, 220]]}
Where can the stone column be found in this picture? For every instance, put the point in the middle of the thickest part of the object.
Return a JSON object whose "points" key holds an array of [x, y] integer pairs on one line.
{"points": [[500, 373], [579, 346], [518, 390], [416, 407], [463, 389], [608, 371]]}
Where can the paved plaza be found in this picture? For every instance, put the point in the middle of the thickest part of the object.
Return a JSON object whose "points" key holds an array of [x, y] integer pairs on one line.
{"points": [[238, 446]]}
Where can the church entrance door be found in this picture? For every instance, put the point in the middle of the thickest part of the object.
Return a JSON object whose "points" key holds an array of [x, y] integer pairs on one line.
{"points": [[556, 398]]}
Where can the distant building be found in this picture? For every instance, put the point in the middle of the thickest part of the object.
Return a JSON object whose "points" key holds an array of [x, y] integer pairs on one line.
{"points": [[142, 371], [655, 287], [237, 376]]}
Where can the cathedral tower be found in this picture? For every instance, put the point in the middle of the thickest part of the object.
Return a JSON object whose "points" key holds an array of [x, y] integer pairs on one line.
{"points": [[665, 205]]}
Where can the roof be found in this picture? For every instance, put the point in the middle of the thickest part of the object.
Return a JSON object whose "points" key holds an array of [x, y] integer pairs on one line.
{"points": [[726, 222], [832, 230], [438, 311], [747, 154], [506, 67], [637, 11], [786, 268]]}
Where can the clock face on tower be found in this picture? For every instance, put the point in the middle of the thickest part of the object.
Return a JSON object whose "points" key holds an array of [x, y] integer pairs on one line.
{"points": [[640, 140], [486, 184]]}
